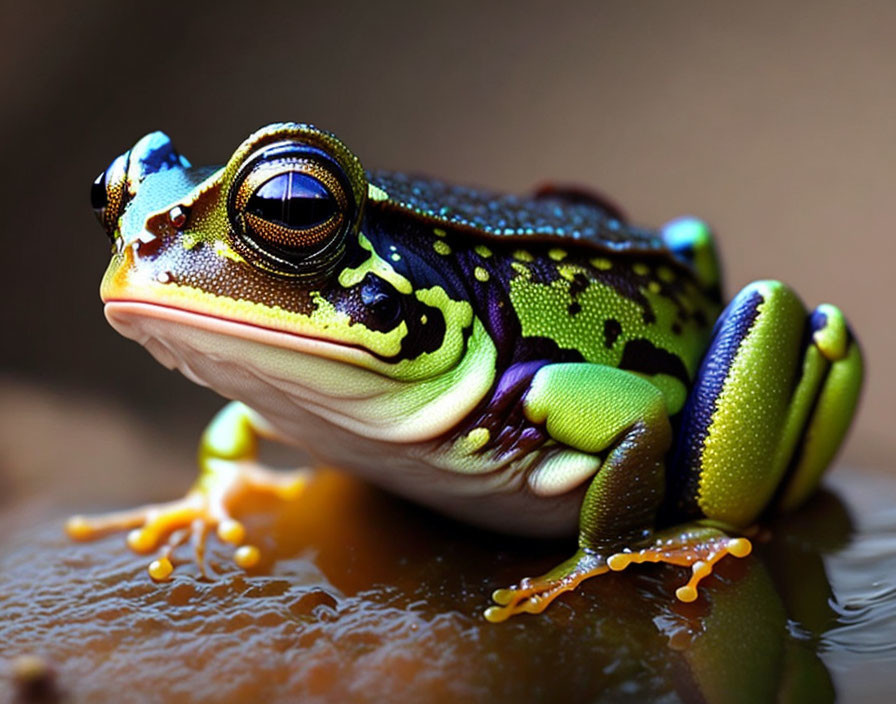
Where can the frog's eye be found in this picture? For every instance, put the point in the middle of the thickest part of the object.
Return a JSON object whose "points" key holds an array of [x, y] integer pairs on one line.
{"points": [[292, 205], [108, 195]]}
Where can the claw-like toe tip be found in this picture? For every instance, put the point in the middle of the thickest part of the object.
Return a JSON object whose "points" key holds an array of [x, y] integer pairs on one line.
{"points": [[686, 594], [739, 547], [141, 540], [160, 569], [78, 528], [495, 614], [231, 531], [247, 556], [502, 596]]}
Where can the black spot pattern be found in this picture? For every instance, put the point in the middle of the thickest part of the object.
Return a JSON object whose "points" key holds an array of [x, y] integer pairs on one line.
{"points": [[643, 356], [612, 330]]}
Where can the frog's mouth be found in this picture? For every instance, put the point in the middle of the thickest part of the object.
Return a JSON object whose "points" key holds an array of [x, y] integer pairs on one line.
{"points": [[145, 323], [279, 373]]}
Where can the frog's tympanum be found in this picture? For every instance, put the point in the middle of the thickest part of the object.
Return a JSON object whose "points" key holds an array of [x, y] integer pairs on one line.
{"points": [[534, 365]]}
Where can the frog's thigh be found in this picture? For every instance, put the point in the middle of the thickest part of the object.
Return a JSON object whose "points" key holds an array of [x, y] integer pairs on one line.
{"points": [[776, 387], [607, 412]]}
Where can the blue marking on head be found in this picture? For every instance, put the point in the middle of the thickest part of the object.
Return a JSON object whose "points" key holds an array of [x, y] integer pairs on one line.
{"points": [[154, 153]]}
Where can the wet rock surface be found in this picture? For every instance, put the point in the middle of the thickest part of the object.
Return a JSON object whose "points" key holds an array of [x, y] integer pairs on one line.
{"points": [[362, 597]]}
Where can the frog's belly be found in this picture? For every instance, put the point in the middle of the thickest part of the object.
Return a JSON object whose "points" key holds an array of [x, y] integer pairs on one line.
{"points": [[499, 500]]}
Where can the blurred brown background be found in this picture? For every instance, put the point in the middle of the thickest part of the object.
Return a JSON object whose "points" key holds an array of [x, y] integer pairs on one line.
{"points": [[776, 122]]}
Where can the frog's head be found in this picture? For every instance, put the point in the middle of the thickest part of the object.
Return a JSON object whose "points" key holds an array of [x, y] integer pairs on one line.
{"points": [[259, 274]]}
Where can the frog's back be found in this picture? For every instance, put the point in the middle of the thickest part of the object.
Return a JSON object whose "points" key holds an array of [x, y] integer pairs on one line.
{"points": [[581, 282], [549, 215]]}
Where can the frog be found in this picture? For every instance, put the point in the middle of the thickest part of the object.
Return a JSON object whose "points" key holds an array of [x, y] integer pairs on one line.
{"points": [[535, 365]]}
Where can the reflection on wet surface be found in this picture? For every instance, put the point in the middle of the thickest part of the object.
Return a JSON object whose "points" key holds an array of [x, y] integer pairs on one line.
{"points": [[367, 598], [860, 646], [866, 610]]}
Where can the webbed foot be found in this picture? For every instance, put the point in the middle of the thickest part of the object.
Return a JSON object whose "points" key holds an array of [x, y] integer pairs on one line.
{"points": [[228, 475], [696, 546], [207, 506], [533, 594]]}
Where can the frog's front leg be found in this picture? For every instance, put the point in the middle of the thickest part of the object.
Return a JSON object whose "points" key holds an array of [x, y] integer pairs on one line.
{"points": [[621, 419], [228, 473]]}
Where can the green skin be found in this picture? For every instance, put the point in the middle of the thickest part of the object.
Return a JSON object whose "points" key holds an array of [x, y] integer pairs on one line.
{"points": [[396, 341]]}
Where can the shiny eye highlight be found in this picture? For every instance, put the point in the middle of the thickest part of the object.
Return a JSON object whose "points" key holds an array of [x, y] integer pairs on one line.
{"points": [[98, 197], [292, 205], [294, 200]]}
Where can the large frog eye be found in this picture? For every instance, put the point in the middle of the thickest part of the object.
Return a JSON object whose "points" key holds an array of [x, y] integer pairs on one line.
{"points": [[292, 204]]}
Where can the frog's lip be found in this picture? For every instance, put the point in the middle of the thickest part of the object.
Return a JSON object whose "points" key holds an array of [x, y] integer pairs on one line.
{"points": [[127, 316]]}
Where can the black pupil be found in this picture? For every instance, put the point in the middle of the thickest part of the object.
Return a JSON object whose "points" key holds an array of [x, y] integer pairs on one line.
{"points": [[98, 192], [293, 199]]}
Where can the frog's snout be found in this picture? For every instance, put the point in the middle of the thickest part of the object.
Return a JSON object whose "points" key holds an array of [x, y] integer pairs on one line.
{"points": [[113, 189]]}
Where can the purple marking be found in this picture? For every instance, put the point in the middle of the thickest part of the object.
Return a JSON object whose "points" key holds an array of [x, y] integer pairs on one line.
{"points": [[513, 382], [817, 321], [730, 330]]}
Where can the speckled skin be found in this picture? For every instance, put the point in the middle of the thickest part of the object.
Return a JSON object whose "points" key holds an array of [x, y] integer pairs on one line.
{"points": [[524, 345]]}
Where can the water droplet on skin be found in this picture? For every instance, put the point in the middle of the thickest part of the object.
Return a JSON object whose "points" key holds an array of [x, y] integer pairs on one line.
{"points": [[177, 216]]}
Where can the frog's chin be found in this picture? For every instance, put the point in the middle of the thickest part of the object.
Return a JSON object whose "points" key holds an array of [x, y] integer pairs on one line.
{"points": [[281, 374]]}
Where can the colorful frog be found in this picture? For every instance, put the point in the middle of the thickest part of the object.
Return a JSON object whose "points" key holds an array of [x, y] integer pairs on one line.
{"points": [[530, 364]]}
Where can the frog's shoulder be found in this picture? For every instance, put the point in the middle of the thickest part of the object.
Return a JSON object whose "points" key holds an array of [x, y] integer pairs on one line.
{"points": [[551, 214]]}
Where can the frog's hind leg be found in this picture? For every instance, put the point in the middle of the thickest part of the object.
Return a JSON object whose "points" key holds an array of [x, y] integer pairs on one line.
{"points": [[771, 403], [694, 545], [228, 473], [823, 405], [619, 421]]}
